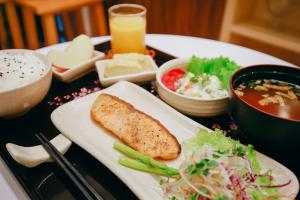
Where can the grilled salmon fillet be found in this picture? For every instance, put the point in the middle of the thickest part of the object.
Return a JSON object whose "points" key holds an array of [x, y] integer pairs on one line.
{"points": [[135, 128]]}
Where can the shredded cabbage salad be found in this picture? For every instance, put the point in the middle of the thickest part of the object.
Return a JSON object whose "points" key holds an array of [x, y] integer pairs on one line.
{"points": [[220, 168]]}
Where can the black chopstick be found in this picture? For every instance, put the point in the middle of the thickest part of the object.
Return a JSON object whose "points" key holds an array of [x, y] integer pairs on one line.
{"points": [[84, 187]]}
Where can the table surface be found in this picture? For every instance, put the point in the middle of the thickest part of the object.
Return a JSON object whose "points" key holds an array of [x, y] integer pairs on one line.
{"points": [[178, 46]]}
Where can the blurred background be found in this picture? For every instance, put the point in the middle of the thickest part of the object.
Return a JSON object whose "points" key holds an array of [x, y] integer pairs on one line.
{"points": [[270, 26]]}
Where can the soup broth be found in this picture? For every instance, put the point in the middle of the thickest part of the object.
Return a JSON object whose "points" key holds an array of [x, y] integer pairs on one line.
{"points": [[275, 97]]}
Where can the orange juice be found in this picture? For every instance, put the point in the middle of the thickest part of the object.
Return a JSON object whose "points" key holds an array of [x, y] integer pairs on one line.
{"points": [[128, 34]]}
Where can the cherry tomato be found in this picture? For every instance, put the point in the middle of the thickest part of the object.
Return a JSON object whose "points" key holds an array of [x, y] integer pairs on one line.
{"points": [[172, 76]]}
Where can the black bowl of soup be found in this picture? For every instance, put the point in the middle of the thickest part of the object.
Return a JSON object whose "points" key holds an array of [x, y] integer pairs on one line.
{"points": [[265, 103]]}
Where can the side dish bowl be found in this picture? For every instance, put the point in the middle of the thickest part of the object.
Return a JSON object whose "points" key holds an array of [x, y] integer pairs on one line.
{"points": [[22, 97], [139, 77], [278, 131], [78, 71], [193, 106]]}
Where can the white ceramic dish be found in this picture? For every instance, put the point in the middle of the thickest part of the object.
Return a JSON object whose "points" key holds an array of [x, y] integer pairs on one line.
{"points": [[78, 71], [189, 105], [73, 120], [140, 77], [17, 101], [35, 155]]}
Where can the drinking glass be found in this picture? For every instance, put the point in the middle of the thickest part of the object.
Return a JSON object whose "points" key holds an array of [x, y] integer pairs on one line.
{"points": [[127, 23]]}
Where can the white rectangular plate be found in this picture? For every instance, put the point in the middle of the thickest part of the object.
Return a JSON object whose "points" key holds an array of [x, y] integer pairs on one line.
{"points": [[74, 121]]}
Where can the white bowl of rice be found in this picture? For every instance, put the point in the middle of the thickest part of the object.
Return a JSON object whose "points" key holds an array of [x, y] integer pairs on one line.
{"points": [[25, 78]]}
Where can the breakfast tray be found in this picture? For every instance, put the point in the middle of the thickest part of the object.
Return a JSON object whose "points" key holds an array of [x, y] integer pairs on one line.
{"points": [[47, 182]]}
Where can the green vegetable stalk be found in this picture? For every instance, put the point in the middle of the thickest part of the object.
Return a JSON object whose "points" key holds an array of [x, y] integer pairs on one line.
{"points": [[138, 165], [143, 162]]}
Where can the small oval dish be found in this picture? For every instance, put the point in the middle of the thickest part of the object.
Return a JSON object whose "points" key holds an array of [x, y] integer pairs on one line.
{"points": [[139, 77], [77, 71], [189, 105]]}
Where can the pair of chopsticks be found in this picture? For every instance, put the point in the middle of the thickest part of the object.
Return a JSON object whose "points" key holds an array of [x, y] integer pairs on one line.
{"points": [[77, 179]]}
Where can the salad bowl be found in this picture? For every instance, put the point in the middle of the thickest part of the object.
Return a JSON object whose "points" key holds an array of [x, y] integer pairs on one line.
{"points": [[193, 106]]}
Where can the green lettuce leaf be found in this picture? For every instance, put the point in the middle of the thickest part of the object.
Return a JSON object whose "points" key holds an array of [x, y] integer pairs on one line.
{"points": [[251, 155], [262, 193], [215, 138], [221, 67]]}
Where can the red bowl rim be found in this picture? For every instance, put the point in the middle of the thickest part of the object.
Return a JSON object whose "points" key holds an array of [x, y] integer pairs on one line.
{"points": [[254, 107]]}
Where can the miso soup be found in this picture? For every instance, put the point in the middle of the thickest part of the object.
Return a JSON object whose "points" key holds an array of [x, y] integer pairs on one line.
{"points": [[272, 96]]}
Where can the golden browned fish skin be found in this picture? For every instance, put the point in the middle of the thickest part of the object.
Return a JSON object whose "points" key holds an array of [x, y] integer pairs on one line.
{"points": [[135, 128]]}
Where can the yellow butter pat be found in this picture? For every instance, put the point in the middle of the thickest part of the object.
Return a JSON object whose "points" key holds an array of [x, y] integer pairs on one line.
{"points": [[117, 67], [140, 58]]}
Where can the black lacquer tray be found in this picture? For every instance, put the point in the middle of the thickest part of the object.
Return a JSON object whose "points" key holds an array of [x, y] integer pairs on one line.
{"points": [[47, 182]]}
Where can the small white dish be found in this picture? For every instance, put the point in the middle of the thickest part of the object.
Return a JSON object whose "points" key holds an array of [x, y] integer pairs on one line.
{"points": [[78, 71], [140, 77], [35, 155], [189, 105], [82, 130]]}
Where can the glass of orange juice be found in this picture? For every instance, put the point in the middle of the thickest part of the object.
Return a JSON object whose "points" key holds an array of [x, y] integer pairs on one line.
{"points": [[127, 23]]}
